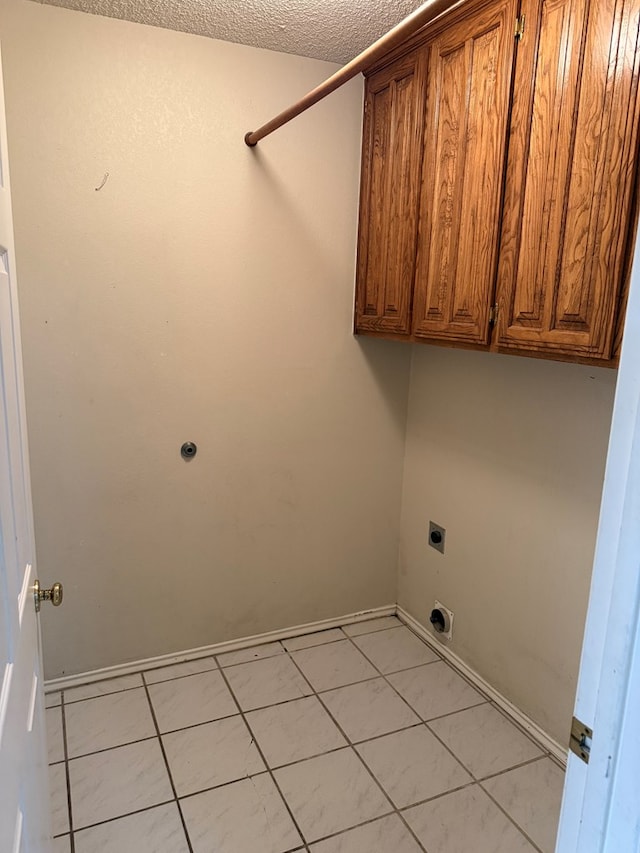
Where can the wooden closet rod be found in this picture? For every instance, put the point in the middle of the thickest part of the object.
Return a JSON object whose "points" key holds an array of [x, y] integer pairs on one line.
{"points": [[410, 25]]}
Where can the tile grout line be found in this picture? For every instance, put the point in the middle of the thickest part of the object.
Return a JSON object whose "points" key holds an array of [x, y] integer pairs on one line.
{"points": [[116, 746], [121, 816], [362, 762], [263, 758], [262, 708], [257, 660], [137, 686], [67, 773], [367, 822], [330, 642], [512, 820], [166, 764], [102, 695], [498, 773]]}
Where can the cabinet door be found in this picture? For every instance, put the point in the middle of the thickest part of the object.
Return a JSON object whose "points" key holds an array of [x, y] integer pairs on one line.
{"points": [[470, 69], [392, 144], [570, 177]]}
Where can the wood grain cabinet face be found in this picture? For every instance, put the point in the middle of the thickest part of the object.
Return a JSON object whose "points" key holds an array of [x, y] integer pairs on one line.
{"points": [[470, 69], [393, 127], [570, 177], [503, 171]]}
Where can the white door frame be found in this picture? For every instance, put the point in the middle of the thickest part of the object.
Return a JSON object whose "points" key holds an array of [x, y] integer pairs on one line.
{"points": [[601, 805]]}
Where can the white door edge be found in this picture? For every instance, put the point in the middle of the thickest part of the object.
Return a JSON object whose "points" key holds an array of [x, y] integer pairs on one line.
{"points": [[601, 806]]}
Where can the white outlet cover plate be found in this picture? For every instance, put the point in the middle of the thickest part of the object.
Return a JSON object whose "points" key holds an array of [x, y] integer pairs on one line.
{"points": [[446, 635]]}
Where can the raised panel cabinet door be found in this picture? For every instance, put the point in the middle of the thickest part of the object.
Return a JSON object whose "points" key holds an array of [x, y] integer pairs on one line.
{"points": [[470, 70], [392, 144], [570, 176]]}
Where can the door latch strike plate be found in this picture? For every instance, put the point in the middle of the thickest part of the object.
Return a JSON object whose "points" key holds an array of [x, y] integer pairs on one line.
{"points": [[580, 741]]}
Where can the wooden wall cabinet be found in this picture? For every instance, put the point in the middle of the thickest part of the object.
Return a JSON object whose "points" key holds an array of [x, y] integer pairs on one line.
{"points": [[469, 79], [570, 178], [393, 127], [508, 194]]}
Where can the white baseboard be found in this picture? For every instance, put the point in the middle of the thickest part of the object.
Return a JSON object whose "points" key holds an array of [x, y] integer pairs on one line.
{"points": [[545, 741], [66, 682], [538, 734]]}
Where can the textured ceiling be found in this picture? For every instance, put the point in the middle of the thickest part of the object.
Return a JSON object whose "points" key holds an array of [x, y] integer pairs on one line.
{"points": [[336, 30]]}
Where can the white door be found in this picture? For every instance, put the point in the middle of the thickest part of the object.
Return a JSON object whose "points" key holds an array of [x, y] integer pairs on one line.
{"points": [[601, 805], [24, 807]]}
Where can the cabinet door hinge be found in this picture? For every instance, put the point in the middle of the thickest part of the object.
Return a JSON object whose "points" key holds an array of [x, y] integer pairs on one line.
{"points": [[580, 741], [493, 314], [519, 27]]}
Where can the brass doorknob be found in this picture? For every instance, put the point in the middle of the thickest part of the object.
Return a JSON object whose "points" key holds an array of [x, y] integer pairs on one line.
{"points": [[54, 595]]}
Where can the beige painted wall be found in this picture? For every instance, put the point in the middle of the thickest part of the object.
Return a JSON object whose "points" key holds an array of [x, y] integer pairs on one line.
{"points": [[508, 455], [205, 294]]}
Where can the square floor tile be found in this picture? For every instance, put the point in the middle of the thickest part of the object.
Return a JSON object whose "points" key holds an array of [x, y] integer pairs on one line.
{"points": [[395, 649], [178, 670], [412, 765], [330, 793], [371, 625], [387, 835], [465, 821], [118, 781], [157, 830], [266, 650], [101, 688], [369, 709], [244, 817], [59, 802], [294, 731], [108, 721], [212, 754], [191, 700], [55, 739], [52, 700], [532, 796], [61, 844], [484, 740], [334, 665], [318, 638], [266, 682], [435, 689]]}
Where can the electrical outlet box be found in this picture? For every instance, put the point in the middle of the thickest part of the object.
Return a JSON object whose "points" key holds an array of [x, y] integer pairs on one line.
{"points": [[436, 536]]}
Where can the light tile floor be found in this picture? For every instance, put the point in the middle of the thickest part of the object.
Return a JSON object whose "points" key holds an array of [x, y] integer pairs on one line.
{"points": [[353, 740]]}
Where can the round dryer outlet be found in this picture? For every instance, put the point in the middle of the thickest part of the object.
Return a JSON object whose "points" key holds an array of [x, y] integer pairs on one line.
{"points": [[442, 620]]}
